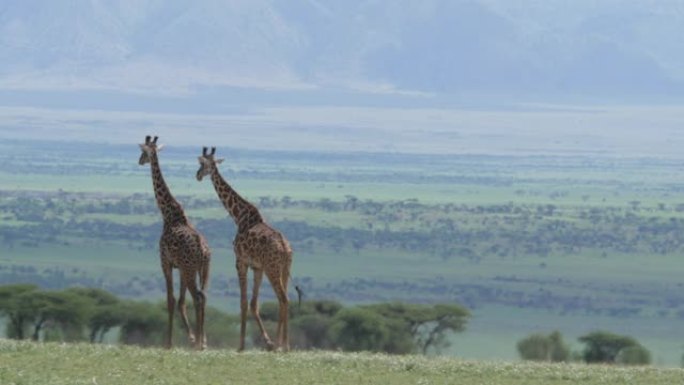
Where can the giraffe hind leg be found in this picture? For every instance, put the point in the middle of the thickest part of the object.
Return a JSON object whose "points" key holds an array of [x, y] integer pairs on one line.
{"points": [[183, 312], [199, 302], [283, 311], [204, 282], [242, 278], [254, 306], [170, 302], [283, 326]]}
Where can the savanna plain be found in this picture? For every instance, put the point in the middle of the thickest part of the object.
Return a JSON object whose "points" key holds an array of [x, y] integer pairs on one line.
{"points": [[528, 243]]}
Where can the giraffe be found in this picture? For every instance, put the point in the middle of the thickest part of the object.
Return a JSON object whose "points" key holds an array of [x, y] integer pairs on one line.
{"points": [[258, 246], [181, 246]]}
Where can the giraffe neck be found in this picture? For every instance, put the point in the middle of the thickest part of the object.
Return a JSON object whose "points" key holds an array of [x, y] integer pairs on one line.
{"points": [[171, 210], [243, 213]]}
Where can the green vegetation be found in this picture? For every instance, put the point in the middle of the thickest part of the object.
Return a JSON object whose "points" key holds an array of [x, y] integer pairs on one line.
{"points": [[30, 363], [606, 347], [540, 347]]}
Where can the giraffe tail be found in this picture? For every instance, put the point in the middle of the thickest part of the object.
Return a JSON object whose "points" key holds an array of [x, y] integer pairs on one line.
{"points": [[300, 293], [204, 277]]}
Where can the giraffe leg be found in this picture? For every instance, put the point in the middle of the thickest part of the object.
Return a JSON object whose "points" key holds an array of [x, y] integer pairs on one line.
{"points": [[242, 278], [170, 301], [277, 284], [254, 306], [204, 282], [183, 312], [198, 301], [285, 279]]}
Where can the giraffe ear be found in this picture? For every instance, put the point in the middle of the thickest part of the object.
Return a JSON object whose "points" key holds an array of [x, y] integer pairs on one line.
{"points": [[219, 161], [160, 147], [142, 146]]}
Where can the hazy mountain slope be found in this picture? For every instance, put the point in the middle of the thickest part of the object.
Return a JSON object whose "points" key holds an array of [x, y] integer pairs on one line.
{"points": [[544, 48]]}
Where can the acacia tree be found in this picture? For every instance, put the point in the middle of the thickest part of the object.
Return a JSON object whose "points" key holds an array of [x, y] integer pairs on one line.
{"points": [[17, 313], [310, 323], [389, 327], [143, 324], [605, 347], [65, 311], [427, 326], [29, 310], [540, 347], [356, 329], [107, 311]]}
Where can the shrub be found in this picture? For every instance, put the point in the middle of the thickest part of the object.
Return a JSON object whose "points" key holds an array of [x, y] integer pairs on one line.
{"points": [[604, 347], [540, 347], [357, 329], [634, 355]]}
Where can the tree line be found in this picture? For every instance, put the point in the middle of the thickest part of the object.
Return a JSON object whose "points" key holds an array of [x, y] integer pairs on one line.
{"points": [[446, 230], [81, 314], [89, 314]]}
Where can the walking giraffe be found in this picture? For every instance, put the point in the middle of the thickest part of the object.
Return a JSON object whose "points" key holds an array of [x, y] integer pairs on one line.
{"points": [[257, 246], [181, 246]]}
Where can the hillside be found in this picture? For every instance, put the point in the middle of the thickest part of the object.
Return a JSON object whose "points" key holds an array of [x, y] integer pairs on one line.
{"points": [[28, 363]]}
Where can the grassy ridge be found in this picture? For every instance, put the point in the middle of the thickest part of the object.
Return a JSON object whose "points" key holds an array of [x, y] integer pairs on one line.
{"points": [[29, 363]]}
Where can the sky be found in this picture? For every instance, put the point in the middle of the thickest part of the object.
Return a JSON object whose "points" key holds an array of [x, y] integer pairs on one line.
{"points": [[608, 72]]}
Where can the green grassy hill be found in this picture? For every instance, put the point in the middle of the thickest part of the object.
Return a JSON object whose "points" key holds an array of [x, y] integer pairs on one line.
{"points": [[29, 363]]}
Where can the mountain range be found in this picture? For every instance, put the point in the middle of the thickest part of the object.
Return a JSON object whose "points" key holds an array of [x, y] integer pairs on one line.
{"points": [[608, 50]]}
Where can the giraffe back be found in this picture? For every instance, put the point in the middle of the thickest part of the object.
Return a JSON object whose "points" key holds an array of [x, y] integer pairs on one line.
{"points": [[261, 247], [183, 246]]}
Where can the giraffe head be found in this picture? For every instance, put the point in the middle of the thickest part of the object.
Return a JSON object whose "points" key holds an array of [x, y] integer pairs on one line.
{"points": [[207, 163], [148, 148]]}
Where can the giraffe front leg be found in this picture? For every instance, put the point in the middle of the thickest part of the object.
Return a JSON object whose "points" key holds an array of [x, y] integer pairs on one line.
{"points": [[254, 305]]}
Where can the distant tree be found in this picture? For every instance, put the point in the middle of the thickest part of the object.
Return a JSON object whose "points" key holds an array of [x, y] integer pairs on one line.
{"points": [[540, 347], [26, 307], [221, 328], [64, 311], [309, 323], [144, 324], [634, 355], [17, 313], [106, 314], [311, 331], [388, 327], [357, 329], [602, 346], [427, 327]]}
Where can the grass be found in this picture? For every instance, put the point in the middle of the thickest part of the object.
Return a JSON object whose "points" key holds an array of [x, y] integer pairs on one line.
{"points": [[30, 363]]}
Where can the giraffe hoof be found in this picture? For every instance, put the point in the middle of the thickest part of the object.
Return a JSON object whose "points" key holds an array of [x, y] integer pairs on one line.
{"points": [[270, 346]]}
